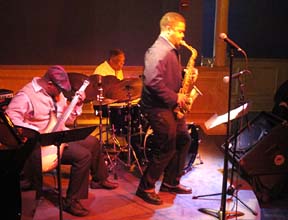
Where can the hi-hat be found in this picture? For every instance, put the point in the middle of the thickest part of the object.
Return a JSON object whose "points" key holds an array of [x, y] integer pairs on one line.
{"points": [[127, 89]]}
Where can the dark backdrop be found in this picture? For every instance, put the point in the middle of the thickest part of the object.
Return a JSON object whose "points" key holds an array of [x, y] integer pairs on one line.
{"points": [[77, 32]]}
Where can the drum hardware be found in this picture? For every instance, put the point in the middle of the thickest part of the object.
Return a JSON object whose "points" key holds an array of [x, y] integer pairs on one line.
{"points": [[125, 91], [100, 99], [107, 90], [113, 159], [130, 147], [102, 147]]}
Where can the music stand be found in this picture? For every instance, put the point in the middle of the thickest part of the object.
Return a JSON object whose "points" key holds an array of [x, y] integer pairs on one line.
{"points": [[13, 153], [57, 138], [214, 121], [221, 214]]}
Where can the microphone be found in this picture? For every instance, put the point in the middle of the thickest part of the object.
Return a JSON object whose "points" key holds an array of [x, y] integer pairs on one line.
{"points": [[224, 37], [235, 75]]}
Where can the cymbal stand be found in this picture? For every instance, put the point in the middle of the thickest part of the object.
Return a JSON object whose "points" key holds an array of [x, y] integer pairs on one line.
{"points": [[115, 142], [100, 98], [100, 111], [130, 148]]}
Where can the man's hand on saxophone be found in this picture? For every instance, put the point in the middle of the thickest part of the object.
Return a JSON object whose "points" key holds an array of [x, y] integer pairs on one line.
{"points": [[195, 75], [181, 100]]}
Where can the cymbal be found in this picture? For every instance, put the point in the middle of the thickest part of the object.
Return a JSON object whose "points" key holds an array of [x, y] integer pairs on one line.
{"points": [[104, 81], [127, 89], [76, 81], [132, 82], [97, 81]]}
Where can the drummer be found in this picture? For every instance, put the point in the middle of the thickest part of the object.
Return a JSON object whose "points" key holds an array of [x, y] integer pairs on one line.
{"points": [[113, 65]]}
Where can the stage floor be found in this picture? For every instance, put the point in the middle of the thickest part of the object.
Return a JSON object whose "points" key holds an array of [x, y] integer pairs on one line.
{"points": [[123, 204]]}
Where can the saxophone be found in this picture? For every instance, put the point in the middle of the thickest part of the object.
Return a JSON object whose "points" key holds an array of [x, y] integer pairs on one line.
{"points": [[188, 88]]}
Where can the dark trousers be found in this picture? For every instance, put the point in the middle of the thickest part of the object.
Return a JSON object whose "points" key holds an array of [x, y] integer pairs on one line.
{"points": [[84, 156], [171, 142], [98, 168]]}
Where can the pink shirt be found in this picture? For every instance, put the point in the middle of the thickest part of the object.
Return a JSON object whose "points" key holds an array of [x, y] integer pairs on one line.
{"points": [[31, 107]]}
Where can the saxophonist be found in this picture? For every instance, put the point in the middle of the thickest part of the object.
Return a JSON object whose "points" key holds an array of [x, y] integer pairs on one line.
{"points": [[162, 80]]}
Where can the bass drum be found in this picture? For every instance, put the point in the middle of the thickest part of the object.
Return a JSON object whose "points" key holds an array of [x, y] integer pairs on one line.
{"points": [[193, 150], [119, 117]]}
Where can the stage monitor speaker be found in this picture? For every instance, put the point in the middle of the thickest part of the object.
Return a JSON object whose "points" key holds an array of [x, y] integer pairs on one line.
{"points": [[249, 136], [266, 165], [261, 155], [269, 155]]}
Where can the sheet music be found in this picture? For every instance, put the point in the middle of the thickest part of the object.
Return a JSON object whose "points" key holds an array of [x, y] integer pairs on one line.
{"points": [[216, 120]]}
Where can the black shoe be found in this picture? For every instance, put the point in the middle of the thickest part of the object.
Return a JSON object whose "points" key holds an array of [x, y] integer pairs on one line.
{"points": [[74, 207], [150, 197], [179, 189], [106, 184]]}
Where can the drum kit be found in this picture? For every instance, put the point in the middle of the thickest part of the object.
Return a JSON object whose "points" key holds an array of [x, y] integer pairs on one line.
{"points": [[117, 101]]}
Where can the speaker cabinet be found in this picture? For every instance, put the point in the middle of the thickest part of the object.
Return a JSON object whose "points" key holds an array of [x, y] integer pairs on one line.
{"points": [[249, 136], [260, 151], [269, 155]]}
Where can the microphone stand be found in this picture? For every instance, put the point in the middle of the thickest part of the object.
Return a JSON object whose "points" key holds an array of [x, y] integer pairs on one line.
{"points": [[231, 189], [222, 214], [222, 211]]}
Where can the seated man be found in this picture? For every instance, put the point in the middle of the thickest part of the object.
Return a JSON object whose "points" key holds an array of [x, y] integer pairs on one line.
{"points": [[35, 106], [113, 65]]}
